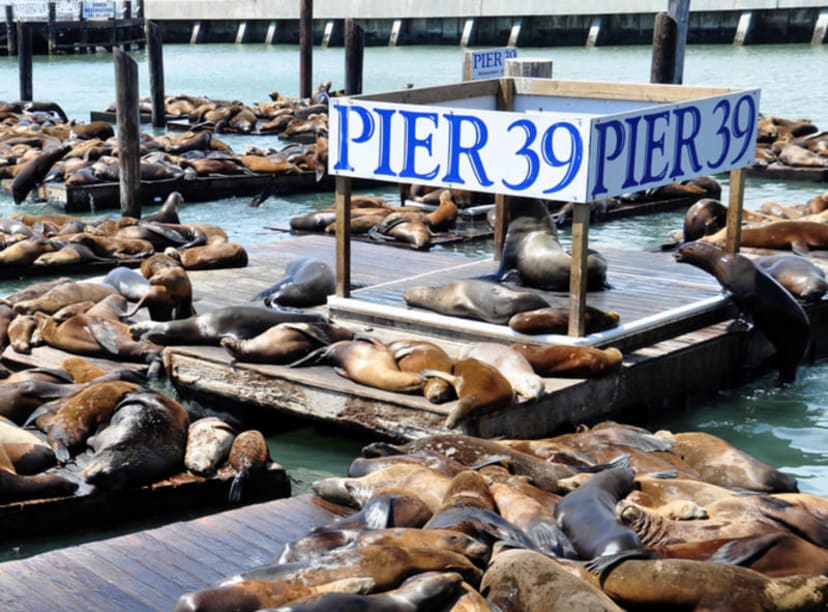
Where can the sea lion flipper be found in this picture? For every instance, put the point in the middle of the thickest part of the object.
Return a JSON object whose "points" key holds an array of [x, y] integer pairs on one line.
{"points": [[745, 550], [237, 486], [800, 247], [313, 358], [602, 565]]}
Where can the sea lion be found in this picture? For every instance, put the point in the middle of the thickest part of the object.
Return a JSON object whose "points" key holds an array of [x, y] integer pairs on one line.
{"points": [[570, 361], [417, 355], [555, 320], [25, 252], [20, 332], [69, 254], [15, 487], [308, 281], [65, 293], [34, 171], [798, 236], [532, 251], [773, 310], [115, 246], [775, 555], [385, 509], [399, 228], [248, 453], [799, 275], [19, 399], [210, 256], [286, 342], [208, 443], [128, 282], [94, 129], [706, 216], [512, 364], [366, 361], [34, 290], [475, 299], [145, 440], [28, 453], [240, 321], [7, 315], [527, 581], [83, 413], [169, 297], [587, 516], [168, 213]]}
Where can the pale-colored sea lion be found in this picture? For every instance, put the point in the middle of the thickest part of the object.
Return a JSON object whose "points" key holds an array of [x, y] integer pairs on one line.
{"points": [[799, 275], [366, 361], [475, 299], [555, 320], [35, 170], [773, 310], [211, 256], [240, 321], [512, 364], [308, 281], [208, 444], [798, 236], [27, 453], [248, 453], [20, 332], [570, 361], [25, 252], [286, 342], [527, 581], [145, 440], [128, 282], [83, 413], [65, 293]]}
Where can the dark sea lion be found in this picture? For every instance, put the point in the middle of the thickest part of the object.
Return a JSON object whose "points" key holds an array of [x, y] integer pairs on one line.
{"points": [[475, 299], [94, 129], [286, 342], [168, 213], [425, 591], [531, 249], [719, 462], [248, 453], [555, 320], [241, 321], [803, 278], [28, 453], [706, 216], [527, 581], [587, 516], [775, 555], [144, 441], [570, 361], [69, 254], [773, 310], [308, 281], [128, 282], [366, 361], [19, 399], [83, 413], [34, 171], [211, 256], [208, 444], [315, 221]]}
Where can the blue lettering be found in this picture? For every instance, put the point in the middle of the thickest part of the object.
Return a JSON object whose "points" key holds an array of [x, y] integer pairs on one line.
{"points": [[412, 143], [723, 131], [342, 162], [384, 166], [629, 180], [653, 144], [602, 157], [532, 160], [686, 141], [455, 150]]}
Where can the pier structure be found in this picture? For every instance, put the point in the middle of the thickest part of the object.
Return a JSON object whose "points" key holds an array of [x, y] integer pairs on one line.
{"points": [[489, 22]]}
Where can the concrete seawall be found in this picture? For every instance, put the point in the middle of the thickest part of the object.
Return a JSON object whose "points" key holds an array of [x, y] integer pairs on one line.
{"points": [[488, 22]]}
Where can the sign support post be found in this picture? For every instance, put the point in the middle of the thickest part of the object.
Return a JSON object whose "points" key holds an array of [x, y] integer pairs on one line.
{"points": [[578, 269], [343, 236], [733, 235]]}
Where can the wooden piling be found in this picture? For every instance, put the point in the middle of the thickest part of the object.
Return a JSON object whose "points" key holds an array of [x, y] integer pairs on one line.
{"points": [[354, 54], [51, 29], [128, 119], [24, 59], [594, 31], [328, 33], [155, 59], [665, 42], [680, 11], [514, 33], [11, 31], [396, 28], [305, 48]]}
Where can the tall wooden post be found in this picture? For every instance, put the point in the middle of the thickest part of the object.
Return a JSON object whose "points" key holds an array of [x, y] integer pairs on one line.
{"points": [[11, 33], [354, 53], [733, 235], [680, 11], [24, 59], [665, 41], [155, 59], [306, 48], [129, 158], [343, 236], [51, 33], [578, 269]]}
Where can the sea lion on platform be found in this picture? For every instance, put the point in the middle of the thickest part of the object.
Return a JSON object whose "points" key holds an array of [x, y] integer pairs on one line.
{"points": [[532, 251], [308, 281], [210, 256], [25, 252], [550, 361], [20, 332], [773, 310], [475, 299], [34, 171], [417, 355], [528, 581], [241, 321], [514, 366], [27, 453], [555, 320], [170, 294], [248, 453], [69, 254], [128, 282], [144, 441], [706, 216], [775, 555], [797, 235], [799, 275], [385, 509], [366, 361], [208, 443], [114, 246], [17, 487], [19, 399], [34, 290], [396, 227], [94, 129], [286, 342], [63, 294]]}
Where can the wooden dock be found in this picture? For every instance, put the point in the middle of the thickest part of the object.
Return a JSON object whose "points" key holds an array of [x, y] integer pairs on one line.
{"points": [[150, 570]]}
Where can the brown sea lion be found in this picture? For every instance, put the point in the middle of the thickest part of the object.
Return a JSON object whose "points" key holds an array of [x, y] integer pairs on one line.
{"points": [[34, 290], [25, 252], [19, 399], [387, 508], [28, 453], [94, 129], [63, 294], [798, 236], [706, 216], [475, 299], [775, 555], [7, 315], [773, 310], [416, 355], [368, 362], [210, 256], [35, 170], [20, 332], [555, 320], [16, 487], [248, 453], [527, 581], [144, 441], [575, 361], [799, 275], [513, 365], [115, 247], [81, 370], [168, 213], [401, 229], [208, 444], [169, 297], [434, 460], [286, 342]]}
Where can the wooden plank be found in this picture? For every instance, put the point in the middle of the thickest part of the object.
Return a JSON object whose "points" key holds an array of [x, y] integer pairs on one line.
{"points": [[616, 91]]}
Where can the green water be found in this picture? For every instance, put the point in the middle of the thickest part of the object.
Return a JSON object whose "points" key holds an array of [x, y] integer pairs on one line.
{"points": [[785, 427]]}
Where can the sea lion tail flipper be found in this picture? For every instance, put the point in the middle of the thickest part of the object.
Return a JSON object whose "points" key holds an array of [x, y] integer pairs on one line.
{"points": [[622, 460], [38, 412], [156, 368], [504, 460], [551, 540], [104, 336], [313, 358], [237, 486], [603, 565], [62, 453], [664, 474], [745, 550], [381, 449]]}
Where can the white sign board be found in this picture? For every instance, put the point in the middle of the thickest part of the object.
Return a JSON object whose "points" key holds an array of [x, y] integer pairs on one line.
{"points": [[93, 10], [489, 63], [550, 155]]}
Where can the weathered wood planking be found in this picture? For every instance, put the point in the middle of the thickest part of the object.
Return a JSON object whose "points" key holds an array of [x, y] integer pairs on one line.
{"points": [[150, 570]]}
